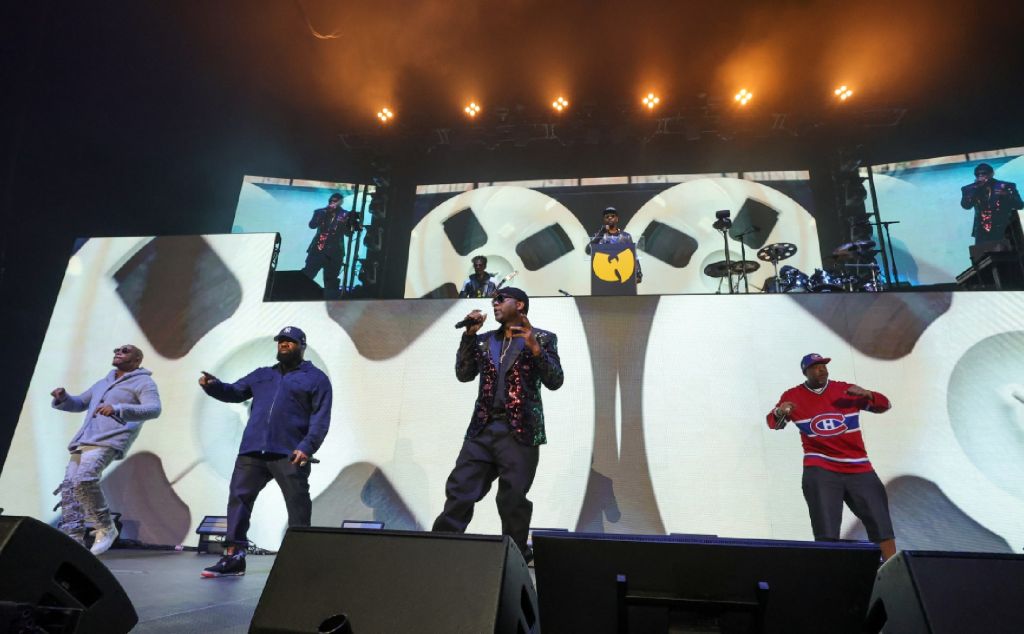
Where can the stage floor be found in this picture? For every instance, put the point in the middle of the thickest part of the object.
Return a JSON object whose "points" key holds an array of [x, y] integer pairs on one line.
{"points": [[170, 596]]}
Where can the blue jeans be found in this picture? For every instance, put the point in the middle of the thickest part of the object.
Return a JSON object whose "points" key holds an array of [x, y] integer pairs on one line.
{"points": [[81, 499]]}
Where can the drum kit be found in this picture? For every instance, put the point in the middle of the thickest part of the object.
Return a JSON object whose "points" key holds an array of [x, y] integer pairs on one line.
{"points": [[847, 274]]}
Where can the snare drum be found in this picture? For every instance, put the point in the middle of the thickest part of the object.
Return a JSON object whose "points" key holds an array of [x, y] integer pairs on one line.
{"points": [[826, 282]]}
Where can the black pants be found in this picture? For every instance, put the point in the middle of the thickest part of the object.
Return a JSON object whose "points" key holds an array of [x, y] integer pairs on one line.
{"points": [[493, 453], [250, 475], [825, 491], [329, 262]]}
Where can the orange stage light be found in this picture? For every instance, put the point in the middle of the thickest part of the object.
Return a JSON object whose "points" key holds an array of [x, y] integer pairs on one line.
{"points": [[843, 93]]}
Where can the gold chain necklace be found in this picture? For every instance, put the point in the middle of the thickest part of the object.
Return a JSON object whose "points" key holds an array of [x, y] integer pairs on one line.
{"points": [[505, 345]]}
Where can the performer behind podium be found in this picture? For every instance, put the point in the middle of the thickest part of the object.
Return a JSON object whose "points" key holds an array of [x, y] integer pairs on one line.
{"points": [[610, 233], [993, 202], [836, 465], [506, 429]]}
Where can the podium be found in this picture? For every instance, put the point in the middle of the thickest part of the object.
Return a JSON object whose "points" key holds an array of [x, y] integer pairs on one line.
{"points": [[612, 269]]}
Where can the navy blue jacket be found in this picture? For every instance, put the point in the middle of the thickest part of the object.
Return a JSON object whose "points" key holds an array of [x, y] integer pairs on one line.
{"points": [[289, 411]]}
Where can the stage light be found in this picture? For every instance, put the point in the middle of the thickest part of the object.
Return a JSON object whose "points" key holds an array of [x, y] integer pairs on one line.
{"points": [[385, 115], [743, 97], [651, 100], [560, 104], [472, 110], [843, 92]]}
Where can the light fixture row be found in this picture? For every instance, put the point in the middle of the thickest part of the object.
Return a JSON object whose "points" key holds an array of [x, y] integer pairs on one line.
{"points": [[650, 101]]}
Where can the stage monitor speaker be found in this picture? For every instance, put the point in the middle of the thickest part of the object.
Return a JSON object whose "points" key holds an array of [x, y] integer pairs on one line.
{"points": [[293, 286], [599, 583], [396, 581], [44, 568], [948, 593]]}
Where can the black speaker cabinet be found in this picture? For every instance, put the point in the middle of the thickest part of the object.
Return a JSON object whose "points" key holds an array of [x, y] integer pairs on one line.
{"points": [[948, 593], [46, 569], [608, 584], [293, 286], [396, 581]]}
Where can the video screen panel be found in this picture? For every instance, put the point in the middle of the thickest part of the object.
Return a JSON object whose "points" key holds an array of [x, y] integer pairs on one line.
{"points": [[539, 229], [932, 239], [286, 206], [659, 427]]}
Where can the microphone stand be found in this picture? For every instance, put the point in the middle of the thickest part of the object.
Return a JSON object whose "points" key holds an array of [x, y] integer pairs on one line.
{"points": [[723, 225]]}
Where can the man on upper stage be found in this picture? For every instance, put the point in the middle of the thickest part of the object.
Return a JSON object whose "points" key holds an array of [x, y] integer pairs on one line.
{"points": [[327, 249], [836, 465], [993, 201], [480, 283], [507, 426], [610, 233], [115, 406], [288, 420]]}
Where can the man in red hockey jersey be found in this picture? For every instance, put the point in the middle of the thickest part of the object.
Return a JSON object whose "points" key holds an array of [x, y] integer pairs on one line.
{"points": [[836, 465]]}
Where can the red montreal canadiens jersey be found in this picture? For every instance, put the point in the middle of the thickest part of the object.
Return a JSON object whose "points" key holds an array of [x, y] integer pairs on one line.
{"points": [[829, 425]]}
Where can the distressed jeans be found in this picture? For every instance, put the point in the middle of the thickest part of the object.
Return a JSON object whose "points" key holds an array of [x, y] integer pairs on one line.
{"points": [[81, 499]]}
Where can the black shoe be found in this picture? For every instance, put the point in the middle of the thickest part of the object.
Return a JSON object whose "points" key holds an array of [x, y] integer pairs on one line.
{"points": [[528, 556], [228, 566]]}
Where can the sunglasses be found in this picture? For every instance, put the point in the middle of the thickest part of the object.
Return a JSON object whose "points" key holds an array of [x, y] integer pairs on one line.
{"points": [[123, 350], [499, 299]]}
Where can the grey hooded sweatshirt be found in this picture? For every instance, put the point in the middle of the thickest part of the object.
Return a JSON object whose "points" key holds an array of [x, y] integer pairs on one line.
{"points": [[134, 398]]}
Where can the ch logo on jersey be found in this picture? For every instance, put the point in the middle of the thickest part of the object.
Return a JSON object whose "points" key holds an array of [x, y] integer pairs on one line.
{"points": [[828, 424]]}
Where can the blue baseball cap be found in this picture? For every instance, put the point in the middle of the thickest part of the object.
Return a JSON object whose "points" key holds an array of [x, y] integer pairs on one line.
{"points": [[812, 359], [292, 333]]}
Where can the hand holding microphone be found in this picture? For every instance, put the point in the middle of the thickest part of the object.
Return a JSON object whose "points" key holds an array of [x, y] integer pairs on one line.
{"points": [[472, 322]]}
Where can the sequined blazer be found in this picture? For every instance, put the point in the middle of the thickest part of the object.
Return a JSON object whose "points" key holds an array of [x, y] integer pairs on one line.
{"points": [[524, 374]]}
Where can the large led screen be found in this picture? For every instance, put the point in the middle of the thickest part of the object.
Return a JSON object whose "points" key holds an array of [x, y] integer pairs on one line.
{"points": [[932, 237], [538, 230], [658, 428], [286, 205]]}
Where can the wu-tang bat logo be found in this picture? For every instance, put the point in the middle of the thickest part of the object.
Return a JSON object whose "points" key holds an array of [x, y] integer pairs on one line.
{"points": [[614, 268]]}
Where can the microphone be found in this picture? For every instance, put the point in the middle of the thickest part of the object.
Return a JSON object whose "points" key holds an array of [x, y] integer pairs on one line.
{"points": [[468, 321]]}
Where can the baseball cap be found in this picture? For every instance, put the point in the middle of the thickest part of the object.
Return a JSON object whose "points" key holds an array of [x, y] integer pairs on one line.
{"points": [[610, 210], [292, 333], [517, 294], [812, 359]]}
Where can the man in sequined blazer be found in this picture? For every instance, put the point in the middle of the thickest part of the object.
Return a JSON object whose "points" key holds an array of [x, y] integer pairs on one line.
{"points": [[507, 427]]}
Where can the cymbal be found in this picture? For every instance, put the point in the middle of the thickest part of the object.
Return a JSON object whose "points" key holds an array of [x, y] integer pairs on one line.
{"points": [[776, 252], [717, 269], [857, 247], [745, 266]]}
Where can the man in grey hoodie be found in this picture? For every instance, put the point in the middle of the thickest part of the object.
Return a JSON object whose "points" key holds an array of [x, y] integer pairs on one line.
{"points": [[115, 407]]}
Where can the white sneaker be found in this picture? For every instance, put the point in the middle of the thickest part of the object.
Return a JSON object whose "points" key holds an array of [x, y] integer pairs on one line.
{"points": [[103, 539]]}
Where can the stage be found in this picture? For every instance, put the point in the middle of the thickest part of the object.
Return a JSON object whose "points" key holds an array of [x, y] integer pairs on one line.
{"points": [[170, 596]]}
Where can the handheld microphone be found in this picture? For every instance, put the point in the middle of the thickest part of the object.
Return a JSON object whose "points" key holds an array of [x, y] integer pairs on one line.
{"points": [[466, 322]]}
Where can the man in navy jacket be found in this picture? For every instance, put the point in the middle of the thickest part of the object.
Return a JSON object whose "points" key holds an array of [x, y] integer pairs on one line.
{"points": [[288, 420]]}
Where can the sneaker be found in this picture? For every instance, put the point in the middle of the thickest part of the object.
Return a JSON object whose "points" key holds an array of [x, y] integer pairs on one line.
{"points": [[228, 566], [103, 539]]}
